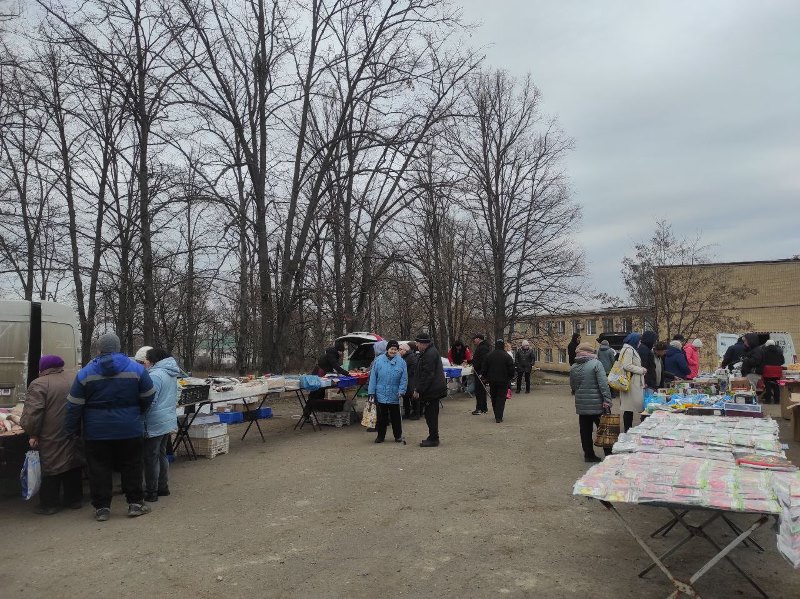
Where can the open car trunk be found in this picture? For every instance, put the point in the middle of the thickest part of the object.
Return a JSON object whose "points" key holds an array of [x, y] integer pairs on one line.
{"points": [[359, 353]]}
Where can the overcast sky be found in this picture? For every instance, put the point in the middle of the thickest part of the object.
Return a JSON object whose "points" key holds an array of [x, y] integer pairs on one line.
{"points": [[684, 110]]}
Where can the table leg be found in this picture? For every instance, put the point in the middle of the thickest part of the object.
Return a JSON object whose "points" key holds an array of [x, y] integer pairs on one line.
{"points": [[301, 398], [732, 525], [251, 421], [182, 435], [664, 530], [692, 530]]}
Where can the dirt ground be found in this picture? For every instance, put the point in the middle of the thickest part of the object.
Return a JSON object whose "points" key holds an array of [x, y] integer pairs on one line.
{"points": [[330, 514]]}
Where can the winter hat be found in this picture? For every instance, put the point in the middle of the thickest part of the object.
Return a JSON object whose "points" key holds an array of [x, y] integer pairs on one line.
{"points": [[108, 343], [379, 347], [480, 336], [393, 343], [605, 343], [50, 361], [525, 343], [499, 344], [770, 342], [585, 347], [676, 344], [142, 353], [697, 343], [423, 338], [405, 346]]}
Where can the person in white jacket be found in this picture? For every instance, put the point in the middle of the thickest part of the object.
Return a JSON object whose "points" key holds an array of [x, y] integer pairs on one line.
{"points": [[632, 400]]}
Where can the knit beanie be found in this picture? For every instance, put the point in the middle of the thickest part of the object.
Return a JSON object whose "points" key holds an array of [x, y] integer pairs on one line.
{"points": [[108, 344], [605, 343], [697, 343], [50, 361], [392, 343]]}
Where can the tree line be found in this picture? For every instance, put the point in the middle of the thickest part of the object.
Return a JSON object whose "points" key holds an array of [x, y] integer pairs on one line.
{"points": [[268, 175]]}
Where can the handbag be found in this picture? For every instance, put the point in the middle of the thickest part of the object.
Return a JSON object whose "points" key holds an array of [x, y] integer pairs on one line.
{"points": [[607, 431], [508, 393], [618, 378], [370, 416]]}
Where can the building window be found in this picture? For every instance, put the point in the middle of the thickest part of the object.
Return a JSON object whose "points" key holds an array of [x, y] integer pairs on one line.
{"points": [[576, 326], [562, 356], [538, 355], [608, 325], [548, 355], [627, 325], [548, 327], [562, 327], [591, 327], [537, 328]]}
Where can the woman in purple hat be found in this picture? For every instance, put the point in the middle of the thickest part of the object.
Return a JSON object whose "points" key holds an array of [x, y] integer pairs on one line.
{"points": [[43, 420]]}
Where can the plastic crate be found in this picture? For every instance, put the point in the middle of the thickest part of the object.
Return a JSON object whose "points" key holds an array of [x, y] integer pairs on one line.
{"points": [[337, 419], [452, 373], [193, 394], [347, 381], [231, 417], [264, 412], [207, 431], [209, 448]]}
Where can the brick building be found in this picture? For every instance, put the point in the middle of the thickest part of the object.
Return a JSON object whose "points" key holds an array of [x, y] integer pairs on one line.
{"points": [[550, 335], [774, 304]]}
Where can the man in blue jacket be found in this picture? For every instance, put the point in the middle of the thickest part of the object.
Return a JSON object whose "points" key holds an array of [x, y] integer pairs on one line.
{"points": [[107, 401]]}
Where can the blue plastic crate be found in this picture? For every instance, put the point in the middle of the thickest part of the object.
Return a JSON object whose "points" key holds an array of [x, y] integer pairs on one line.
{"points": [[452, 373], [346, 382], [231, 417], [264, 412]]}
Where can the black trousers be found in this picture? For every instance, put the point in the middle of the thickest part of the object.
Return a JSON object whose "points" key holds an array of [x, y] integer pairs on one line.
{"points": [[627, 421], [123, 454], [587, 424], [387, 412], [431, 409], [772, 391], [498, 392], [480, 395], [70, 481], [527, 376]]}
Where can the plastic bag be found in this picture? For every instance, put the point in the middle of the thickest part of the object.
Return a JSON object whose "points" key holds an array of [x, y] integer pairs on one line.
{"points": [[370, 416], [31, 475], [310, 382]]}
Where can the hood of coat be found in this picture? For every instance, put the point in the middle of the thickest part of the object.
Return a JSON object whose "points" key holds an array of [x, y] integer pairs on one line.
{"points": [[752, 340], [111, 364], [672, 350], [605, 349], [169, 366], [51, 371], [649, 338]]}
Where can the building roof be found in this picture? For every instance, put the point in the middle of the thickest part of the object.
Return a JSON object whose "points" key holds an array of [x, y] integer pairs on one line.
{"points": [[750, 263], [595, 311]]}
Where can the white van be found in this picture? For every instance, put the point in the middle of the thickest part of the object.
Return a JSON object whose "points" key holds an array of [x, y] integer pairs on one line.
{"points": [[29, 330], [781, 339]]}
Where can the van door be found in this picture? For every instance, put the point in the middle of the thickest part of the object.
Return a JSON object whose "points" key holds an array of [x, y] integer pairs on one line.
{"points": [[724, 341], [14, 345]]}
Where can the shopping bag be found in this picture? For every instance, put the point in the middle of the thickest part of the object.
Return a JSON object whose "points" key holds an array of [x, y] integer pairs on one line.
{"points": [[31, 475], [370, 416], [607, 431], [310, 382], [618, 378], [508, 393]]}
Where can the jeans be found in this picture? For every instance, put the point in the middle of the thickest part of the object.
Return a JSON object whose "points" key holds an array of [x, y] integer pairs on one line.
{"points": [[587, 424], [527, 376], [387, 411], [156, 466], [72, 483], [431, 409], [498, 392], [103, 457]]}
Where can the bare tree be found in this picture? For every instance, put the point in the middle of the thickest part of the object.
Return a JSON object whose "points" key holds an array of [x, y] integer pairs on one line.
{"points": [[517, 192]]}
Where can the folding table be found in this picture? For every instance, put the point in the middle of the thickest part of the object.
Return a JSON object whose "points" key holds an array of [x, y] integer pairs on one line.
{"points": [[680, 513], [312, 414], [182, 434]]}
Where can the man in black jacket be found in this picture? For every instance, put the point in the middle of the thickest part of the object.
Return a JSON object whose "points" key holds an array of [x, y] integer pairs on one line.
{"points": [[329, 361], [734, 354], [430, 386], [482, 349], [753, 359], [524, 359], [498, 369], [648, 359], [410, 405]]}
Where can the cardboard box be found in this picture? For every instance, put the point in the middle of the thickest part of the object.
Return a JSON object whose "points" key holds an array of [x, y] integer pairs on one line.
{"points": [[333, 393], [795, 410], [790, 394]]}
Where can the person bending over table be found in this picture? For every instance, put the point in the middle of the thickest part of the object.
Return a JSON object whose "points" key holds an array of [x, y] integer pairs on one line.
{"points": [[388, 380], [329, 361]]}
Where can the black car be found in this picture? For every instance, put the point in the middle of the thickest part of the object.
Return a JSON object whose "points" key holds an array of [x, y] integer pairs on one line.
{"points": [[615, 340]]}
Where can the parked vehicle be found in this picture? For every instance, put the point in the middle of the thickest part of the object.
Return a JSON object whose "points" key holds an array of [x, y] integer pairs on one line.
{"points": [[28, 330], [360, 353], [615, 340]]}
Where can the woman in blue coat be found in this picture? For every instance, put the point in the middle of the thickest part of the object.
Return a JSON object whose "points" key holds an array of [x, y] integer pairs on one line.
{"points": [[159, 421], [388, 380]]}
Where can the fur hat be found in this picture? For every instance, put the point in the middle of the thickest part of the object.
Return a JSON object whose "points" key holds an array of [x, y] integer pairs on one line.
{"points": [[108, 343], [141, 355], [50, 361]]}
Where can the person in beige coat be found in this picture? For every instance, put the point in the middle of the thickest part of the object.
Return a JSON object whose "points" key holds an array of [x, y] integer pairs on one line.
{"points": [[43, 419], [632, 400]]}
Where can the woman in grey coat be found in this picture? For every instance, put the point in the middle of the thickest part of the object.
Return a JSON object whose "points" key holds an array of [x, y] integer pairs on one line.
{"points": [[587, 377]]}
